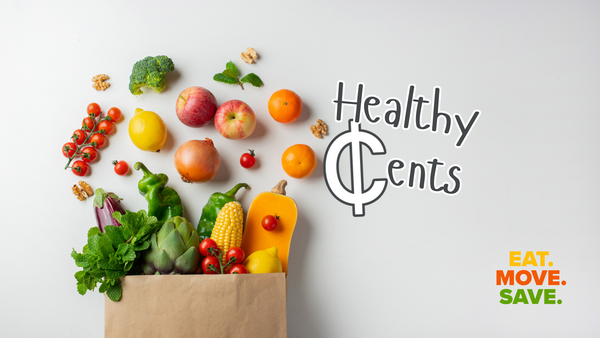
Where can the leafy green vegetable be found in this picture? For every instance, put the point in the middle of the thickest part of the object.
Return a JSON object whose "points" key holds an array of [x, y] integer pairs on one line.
{"points": [[101, 197], [230, 76], [252, 79], [113, 254], [231, 70], [221, 77]]}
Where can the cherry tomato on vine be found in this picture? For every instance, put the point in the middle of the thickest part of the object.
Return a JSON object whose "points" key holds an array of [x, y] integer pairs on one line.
{"points": [[115, 114], [89, 154], [121, 167], [237, 253], [99, 139], [94, 108], [269, 222], [211, 260], [80, 168], [88, 123], [107, 126], [208, 243], [69, 149], [238, 269], [79, 136], [247, 160]]}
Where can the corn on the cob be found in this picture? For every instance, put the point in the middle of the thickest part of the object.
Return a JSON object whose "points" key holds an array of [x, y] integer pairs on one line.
{"points": [[228, 228]]}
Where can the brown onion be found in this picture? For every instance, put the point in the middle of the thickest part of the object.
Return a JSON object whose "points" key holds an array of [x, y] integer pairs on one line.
{"points": [[197, 161]]}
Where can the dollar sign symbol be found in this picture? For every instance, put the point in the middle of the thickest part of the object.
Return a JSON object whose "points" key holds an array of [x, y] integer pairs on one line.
{"points": [[357, 196]]}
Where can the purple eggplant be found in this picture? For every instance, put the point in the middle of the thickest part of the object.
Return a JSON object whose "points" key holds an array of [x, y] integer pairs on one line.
{"points": [[105, 203]]}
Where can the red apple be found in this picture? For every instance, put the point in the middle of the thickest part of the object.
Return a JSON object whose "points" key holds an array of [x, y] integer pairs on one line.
{"points": [[235, 120], [196, 106]]}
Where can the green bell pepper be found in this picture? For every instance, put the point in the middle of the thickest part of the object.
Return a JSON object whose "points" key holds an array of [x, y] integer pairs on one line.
{"points": [[212, 208], [163, 202]]}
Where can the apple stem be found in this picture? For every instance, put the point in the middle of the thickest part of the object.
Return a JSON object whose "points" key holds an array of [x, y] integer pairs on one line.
{"points": [[241, 85], [184, 100]]}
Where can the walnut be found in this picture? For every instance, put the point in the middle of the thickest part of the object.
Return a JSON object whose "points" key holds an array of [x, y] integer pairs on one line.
{"points": [[99, 83], [252, 53], [313, 130], [100, 77], [78, 193], [86, 187], [249, 56], [319, 129], [101, 86], [83, 191]]}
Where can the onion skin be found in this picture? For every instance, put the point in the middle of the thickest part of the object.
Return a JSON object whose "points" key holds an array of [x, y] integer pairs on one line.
{"points": [[197, 161]]}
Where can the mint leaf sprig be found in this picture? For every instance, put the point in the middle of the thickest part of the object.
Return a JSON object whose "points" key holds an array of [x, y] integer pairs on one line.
{"points": [[230, 75]]}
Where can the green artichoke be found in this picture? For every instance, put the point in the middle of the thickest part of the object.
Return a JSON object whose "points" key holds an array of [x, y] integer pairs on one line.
{"points": [[173, 249]]}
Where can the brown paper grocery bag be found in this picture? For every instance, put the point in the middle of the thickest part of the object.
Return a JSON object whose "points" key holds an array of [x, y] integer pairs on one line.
{"points": [[248, 305]]}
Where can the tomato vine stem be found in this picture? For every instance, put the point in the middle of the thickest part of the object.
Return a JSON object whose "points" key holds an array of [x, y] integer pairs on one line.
{"points": [[85, 142], [217, 253]]}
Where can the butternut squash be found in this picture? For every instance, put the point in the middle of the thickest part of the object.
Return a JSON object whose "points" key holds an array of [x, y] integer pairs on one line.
{"points": [[271, 203]]}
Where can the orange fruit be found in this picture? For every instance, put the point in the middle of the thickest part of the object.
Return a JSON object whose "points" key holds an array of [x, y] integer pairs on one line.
{"points": [[285, 106], [299, 160]]}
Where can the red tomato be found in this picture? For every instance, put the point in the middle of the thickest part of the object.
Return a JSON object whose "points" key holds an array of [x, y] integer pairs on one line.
{"points": [[115, 114], [94, 108], [121, 167], [205, 245], [80, 168], [99, 139], [88, 123], [79, 136], [238, 269], [69, 149], [107, 126], [269, 222], [89, 154], [247, 160], [207, 262], [236, 253]]}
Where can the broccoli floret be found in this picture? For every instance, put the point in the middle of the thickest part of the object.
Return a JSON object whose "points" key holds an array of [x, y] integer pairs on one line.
{"points": [[165, 64], [150, 72]]}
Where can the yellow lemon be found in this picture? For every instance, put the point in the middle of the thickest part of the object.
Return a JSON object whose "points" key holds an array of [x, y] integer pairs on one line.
{"points": [[147, 130], [263, 261]]}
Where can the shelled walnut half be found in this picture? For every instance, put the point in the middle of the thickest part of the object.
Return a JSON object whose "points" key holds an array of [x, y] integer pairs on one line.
{"points": [[82, 191], [319, 129], [249, 56], [99, 82]]}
